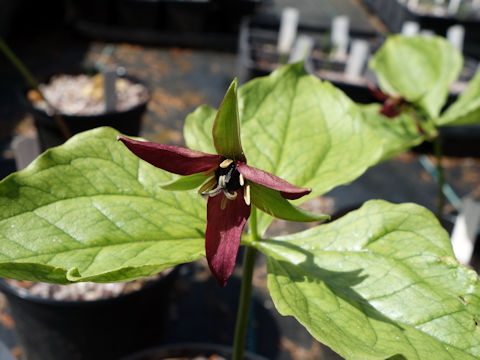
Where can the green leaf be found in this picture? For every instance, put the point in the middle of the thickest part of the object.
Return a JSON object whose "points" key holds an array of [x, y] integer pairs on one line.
{"points": [[271, 202], [420, 69], [226, 129], [380, 282], [466, 109], [399, 134], [91, 210], [298, 128], [187, 182], [198, 129]]}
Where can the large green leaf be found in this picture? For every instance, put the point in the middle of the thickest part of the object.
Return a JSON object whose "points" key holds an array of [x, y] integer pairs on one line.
{"points": [[399, 134], [381, 282], [420, 69], [466, 110], [90, 210], [299, 128]]}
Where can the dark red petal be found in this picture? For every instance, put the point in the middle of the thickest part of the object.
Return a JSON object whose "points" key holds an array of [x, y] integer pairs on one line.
{"points": [[287, 190], [224, 231], [174, 159], [389, 109]]}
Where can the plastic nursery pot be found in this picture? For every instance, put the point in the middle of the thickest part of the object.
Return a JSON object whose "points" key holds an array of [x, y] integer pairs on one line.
{"points": [[188, 351], [460, 141], [258, 56], [127, 122], [90, 330], [395, 13]]}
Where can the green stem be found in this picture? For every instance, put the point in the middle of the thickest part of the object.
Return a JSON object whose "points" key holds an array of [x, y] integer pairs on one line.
{"points": [[245, 292], [437, 145], [22, 69], [33, 83]]}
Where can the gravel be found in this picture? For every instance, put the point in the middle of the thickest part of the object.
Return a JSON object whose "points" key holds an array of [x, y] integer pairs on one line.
{"points": [[84, 95]]}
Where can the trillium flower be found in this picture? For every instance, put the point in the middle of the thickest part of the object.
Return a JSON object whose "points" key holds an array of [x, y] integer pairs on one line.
{"points": [[231, 185], [392, 106]]}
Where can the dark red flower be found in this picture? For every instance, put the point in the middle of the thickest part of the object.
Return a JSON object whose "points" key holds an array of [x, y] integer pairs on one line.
{"points": [[226, 179], [391, 105]]}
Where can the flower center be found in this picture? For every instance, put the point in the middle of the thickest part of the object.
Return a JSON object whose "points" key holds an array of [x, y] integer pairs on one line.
{"points": [[232, 176], [228, 180]]}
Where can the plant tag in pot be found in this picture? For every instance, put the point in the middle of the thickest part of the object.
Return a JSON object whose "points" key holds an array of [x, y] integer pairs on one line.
{"points": [[288, 30], [340, 37], [453, 6], [410, 28], [456, 35], [302, 49], [110, 92], [357, 59], [465, 230]]}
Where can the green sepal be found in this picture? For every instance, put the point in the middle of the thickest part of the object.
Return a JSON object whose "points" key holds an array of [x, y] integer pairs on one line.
{"points": [[271, 202], [226, 128], [188, 182]]}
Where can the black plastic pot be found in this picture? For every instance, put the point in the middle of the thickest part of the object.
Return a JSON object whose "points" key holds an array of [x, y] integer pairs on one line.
{"points": [[102, 12], [188, 351], [202, 24], [458, 141], [258, 54], [127, 122], [90, 330]]}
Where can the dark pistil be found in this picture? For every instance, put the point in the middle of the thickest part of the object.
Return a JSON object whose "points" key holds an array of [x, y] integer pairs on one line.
{"points": [[232, 176]]}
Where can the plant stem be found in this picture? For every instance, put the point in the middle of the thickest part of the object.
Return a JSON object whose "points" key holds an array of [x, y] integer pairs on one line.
{"points": [[437, 145], [245, 292], [22, 69], [33, 83]]}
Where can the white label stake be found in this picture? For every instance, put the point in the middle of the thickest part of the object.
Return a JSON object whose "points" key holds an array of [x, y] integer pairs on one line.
{"points": [[340, 30], [410, 28], [456, 35], [288, 30], [302, 48], [453, 6], [465, 230], [357, 59], [110, 93]]}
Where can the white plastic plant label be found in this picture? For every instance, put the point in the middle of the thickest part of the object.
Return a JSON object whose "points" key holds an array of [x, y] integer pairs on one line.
{"points": [[340, 36], [302, 48], [357, 58], [410, 28], [412, 4], [288, 30], [25, 148], [465, 230], [110, 93], [453, 6], [456, 35]]}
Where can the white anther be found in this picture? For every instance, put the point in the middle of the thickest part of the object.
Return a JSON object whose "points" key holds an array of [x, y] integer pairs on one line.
{"points": [[214, 192], [226, 163], [230, 196], [242, 180], [221, 181], [246, 195]]}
